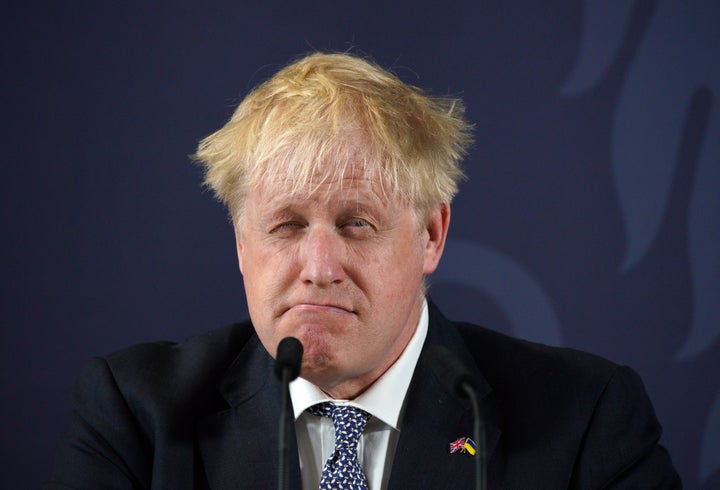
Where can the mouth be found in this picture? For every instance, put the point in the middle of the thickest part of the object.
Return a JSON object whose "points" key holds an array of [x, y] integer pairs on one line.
{"points": [[321, 308]]}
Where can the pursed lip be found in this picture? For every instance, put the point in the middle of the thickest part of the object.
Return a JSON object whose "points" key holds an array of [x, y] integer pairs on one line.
{"points": [[320, 307]]}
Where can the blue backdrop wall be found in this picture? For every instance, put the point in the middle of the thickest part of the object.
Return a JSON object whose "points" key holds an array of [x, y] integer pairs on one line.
{"points": [[591, 217]]}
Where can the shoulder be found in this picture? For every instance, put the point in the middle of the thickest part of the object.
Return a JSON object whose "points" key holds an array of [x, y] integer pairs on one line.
{"points": [[533, 381], [164, 379], [513, 362], [134, 401], [196, 356], [530, 380], [504, 359]]}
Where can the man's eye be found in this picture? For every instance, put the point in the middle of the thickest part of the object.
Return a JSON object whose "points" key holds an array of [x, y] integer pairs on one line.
{"points": [[358, 222], [286, 227], [357, 227]]}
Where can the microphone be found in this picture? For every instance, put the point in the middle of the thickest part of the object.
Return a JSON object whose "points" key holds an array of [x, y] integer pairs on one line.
{"points": [[287, 368], [289, 356], [458, 380]]}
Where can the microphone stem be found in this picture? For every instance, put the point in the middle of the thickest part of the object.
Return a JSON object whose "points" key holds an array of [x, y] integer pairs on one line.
{"points": [[284, 447], [479, 437]]}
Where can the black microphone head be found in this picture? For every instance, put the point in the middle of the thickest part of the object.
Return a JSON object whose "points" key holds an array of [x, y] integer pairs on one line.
{"points": [[289, 356], [448, 369]]}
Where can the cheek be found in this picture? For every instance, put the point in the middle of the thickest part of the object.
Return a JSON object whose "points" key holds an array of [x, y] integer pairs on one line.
{"points": [[267, 279], [263, 264], [408, 262], [256, 281]]}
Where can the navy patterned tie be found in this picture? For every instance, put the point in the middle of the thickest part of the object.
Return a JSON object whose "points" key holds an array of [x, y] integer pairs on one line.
{"points": [[342, 469]]}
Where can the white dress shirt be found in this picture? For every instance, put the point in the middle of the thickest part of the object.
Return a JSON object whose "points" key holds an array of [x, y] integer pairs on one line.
{"points": [[384, 401]]}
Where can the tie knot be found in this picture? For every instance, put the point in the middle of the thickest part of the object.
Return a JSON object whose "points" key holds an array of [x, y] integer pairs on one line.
{"points": [[349, 422]]}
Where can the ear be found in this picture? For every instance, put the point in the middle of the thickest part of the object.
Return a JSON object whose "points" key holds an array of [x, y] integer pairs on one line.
{"points": [[436, 228], [239, 248]]}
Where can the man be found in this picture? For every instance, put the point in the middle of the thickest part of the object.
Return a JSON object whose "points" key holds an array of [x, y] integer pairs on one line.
{"points": [[338, 178]]}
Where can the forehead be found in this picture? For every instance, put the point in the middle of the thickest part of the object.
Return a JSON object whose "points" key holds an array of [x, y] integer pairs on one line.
{"points": [[353, 186]]}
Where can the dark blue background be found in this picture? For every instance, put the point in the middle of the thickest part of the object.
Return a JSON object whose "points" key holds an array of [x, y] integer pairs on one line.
{"points": [[591, 217]]}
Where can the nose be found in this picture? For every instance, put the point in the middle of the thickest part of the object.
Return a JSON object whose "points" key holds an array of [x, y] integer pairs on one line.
{"points": [[322, 257]]}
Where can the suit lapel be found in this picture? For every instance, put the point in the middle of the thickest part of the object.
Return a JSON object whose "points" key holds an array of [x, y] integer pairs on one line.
{"points": [[434, 418], [239, 446]]}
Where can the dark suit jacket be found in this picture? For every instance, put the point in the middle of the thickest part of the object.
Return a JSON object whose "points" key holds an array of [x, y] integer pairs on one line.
{"points": [[204, 413]]}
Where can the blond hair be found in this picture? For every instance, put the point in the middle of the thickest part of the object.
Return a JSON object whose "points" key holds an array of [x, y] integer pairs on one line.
{"points": [[325, 113]]}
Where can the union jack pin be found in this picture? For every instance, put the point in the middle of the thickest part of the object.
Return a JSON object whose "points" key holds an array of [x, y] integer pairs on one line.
{"points": [[463, 445]]}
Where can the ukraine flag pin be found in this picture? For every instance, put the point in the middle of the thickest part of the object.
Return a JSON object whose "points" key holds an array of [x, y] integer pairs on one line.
{"points": [[463, 445]]}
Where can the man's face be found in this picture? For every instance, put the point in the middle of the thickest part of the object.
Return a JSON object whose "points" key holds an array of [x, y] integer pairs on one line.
{"points": [[341, 270]]}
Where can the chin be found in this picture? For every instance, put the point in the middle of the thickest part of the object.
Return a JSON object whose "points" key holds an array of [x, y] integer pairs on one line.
{"points": [[318, 362], [319, 345], [315, 361]]}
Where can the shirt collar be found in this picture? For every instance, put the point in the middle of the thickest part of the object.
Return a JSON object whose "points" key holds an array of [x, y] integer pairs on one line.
{"points": [[381, 400]]}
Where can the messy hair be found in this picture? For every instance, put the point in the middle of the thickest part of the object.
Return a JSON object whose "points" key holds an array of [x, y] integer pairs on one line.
{"points": [[325, 113]]}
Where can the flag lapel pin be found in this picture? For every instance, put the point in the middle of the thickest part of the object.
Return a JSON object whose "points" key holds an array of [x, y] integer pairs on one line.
{"points": [[463, 445]]}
